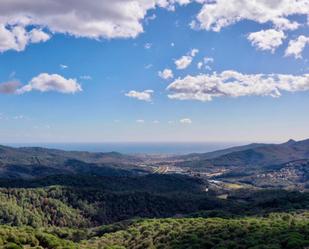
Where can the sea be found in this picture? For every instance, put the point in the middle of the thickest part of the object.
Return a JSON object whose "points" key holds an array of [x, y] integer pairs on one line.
{"points": [[133, 147]]}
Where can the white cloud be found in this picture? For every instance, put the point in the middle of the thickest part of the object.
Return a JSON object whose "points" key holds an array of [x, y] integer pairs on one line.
{"points": [[19, 117], [85, 77], [205, 61], [194, 52], [185, 121], [16, 117], [234, 84], [147, 45], [208, 60], [17, 37], [184, 2], [166, 74], [140, 121], [200, 65], [184, 61], [37, 35], [63, 66], [80, 18], [51, 82], [217, 14], [144, 96], [156, 121], [297, 46], [172, 44], [150, 18], [22, 21], [268, 39]]}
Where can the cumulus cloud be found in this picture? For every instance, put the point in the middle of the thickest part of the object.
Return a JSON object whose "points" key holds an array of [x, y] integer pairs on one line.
{"points": [[166, 74], [184, 61], [297, 46], [217, 14], [24, 22], [268, 39], [17, 37], [185, 121], [51, 82], [94, 19], [205, 61], [37, 35], [9, 87], [234, 84], [279, 14], [144, 95]]}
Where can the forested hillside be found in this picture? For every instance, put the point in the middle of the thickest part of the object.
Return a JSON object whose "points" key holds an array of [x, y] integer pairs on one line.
{"points": [[277, 231], [112, 201]]}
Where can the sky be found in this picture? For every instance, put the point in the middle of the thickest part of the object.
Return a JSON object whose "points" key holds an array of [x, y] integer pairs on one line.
{"points": [[154, 71]]}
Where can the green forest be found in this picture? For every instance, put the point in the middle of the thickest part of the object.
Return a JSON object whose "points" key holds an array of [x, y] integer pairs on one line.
{"points": [[277, 230], [153, 211]]}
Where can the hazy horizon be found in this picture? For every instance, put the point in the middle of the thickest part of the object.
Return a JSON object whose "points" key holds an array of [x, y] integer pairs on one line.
{"points": [[136, 147]]}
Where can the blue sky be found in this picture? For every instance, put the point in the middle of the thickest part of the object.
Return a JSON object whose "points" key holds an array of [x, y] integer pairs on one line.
{"points": [[64, 84]]}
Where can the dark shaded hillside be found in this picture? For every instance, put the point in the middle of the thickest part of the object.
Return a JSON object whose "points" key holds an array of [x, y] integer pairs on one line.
{"points": [[68, 167], [76, 207], [84, 201], [43, 156], [38, 162], [151, 183]]}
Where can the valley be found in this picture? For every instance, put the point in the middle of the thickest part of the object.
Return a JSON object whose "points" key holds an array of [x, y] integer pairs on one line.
{"points": [[69, 199]]}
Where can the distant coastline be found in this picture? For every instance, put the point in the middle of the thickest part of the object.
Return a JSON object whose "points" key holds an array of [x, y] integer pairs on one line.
{"points": [[133, 147]]}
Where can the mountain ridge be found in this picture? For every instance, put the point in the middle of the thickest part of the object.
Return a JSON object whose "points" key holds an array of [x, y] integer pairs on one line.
{"points": [[254, 155]]}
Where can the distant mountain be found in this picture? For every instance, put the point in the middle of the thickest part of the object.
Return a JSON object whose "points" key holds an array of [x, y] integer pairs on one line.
{"points": [[44, 156], [37, 162], [34, 161], [251, 155], [217, 153]]}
